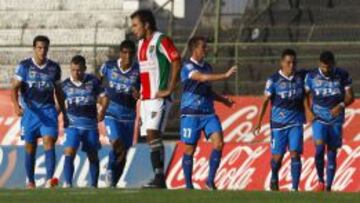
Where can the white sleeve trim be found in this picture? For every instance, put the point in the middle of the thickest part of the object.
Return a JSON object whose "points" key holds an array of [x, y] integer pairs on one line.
{"points": [[347, 87], [102, 94], [192, 72], [17, 77], [267, 93], [307, 88]]}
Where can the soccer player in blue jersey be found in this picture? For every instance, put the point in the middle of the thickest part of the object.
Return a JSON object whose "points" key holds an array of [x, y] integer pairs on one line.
{"points": [[329, 88], [122, 84], [285, 90], [37, 79], [82, 92], [197, 109]]}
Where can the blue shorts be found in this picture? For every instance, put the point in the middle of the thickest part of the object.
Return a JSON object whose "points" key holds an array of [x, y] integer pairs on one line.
{"points": [[89, 139], [192, 125], [331, 134], [39, 123], [120, 130], [288, 138]]}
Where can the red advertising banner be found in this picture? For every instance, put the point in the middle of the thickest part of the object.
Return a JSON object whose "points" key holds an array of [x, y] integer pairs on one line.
{"points": [[238, 121], [247, 167]]}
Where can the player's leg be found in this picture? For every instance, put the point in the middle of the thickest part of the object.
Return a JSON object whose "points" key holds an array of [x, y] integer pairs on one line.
{"points": [[30, 157], [334, 142], [91, 145], [49, 133], [29, 133], [190, 133], [319, 137], [295, 137], [279, 143], [156, 116], [71, 144], [213, 131], [120, 135]]}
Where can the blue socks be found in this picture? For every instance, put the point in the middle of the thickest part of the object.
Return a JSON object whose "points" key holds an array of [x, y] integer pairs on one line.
{"points": [[187, 164], [69, 169], [319, 161], [214, 163], [275, 167], [50, 160], [94, 171], [331, 168], [295, 172], [30, 166]]}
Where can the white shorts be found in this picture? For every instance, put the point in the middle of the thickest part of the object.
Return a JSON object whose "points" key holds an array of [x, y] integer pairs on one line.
{"points": [[154, 114]]}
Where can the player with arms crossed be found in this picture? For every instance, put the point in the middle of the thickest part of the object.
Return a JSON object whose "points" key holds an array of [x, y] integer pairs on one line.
{"points": [[82, 92], [197, 109], [157, 56], [329, 88], [285, 90], [37, 79], [122, 85]]}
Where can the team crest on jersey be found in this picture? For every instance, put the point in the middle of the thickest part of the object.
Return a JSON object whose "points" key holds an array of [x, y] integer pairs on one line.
{"points": [[151, 48], [283, 85], [32, 74], [114, 75], [318, 82], [88, 87]]}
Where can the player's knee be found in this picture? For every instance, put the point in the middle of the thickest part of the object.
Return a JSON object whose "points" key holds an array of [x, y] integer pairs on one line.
{"points": [[277, 157], [152, 135], [319, 142], [190, 149], [156, 144], [30, 148], [218, 145], [93, 156], [49, 142], [295, 155], [69, 151]]}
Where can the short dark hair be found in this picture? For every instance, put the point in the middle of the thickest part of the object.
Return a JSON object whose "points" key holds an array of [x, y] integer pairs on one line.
{"points": [[145, 16], [288, 52], [128, 44], [41, 38], [327, 57], [79, 60], [194, 41]]}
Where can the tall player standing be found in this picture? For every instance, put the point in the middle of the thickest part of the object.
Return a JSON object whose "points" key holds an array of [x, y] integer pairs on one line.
{"points": [[122, 85], [330, 90], [37, 79], [157, 57], [285, 90], [197, 109]]}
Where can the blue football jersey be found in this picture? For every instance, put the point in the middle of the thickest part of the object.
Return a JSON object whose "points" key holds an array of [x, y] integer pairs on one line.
{"points": [[118, 87], [80, 101], [327, 92], [38, 83], [286, 96], [197, 97]]}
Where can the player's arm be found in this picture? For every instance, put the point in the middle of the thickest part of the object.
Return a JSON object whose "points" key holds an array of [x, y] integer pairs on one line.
{"points": [[16, 85], [169, 50], [224, 100], [263, 109], [103, 101], [307, 107], [348, 97], [203, 77]]}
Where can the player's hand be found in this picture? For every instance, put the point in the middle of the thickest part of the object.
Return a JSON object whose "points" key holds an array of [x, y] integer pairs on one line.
{"points": [[135, 93], [231, 71], [336, 110], [228, 102], [163, 93], [18, 110], [256, 130], [310, 117], [100, 116]]}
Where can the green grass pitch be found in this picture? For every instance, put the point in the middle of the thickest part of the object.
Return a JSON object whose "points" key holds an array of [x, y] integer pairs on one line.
{"points": [[169, 196]]}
